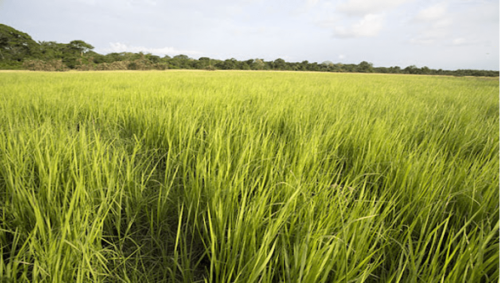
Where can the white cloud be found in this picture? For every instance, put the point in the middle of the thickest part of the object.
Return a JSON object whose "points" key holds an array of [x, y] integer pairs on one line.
{"points": [[369, 26], [356, 18], [88, 2], [433, 13], [487, 13], [120, 47], [311, 3], [459, 41], [329, 22], [119, 2], [422, 41], [365, 7], [436, 22], [251, 31]]}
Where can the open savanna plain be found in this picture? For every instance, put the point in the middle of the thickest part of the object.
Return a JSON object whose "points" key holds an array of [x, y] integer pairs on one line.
{"points": [[197, 176]]}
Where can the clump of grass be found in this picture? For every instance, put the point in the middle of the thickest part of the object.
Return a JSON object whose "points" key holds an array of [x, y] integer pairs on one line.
{"points": [[248, 177]]}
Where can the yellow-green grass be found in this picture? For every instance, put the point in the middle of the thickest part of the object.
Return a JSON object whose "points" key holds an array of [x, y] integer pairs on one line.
{"points": [[191, 176]]}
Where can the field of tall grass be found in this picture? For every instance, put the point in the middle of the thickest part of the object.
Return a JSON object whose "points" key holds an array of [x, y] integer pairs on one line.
{"points": [[192, 176]]}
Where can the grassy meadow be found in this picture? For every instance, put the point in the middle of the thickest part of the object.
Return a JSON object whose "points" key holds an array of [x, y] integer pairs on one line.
{"points": [[196, 176]]}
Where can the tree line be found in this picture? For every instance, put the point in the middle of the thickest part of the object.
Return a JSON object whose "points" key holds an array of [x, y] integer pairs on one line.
{"points": [[19, 51]]}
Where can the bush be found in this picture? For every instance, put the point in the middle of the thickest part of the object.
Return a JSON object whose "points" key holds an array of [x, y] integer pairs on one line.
{"points": [[40, 65], [117, 65], [132, 66], [11, 65], [161, 66]]}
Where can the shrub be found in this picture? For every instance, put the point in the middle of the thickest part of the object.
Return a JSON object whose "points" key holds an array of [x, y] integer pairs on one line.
{"points": [[40, 65]]}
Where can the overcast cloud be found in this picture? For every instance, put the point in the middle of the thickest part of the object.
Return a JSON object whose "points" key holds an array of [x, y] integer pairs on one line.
{"points": [[446, 34]]}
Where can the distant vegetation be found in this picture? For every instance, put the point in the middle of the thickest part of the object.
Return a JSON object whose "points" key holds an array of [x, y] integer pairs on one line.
{"points": [[19, 51]]}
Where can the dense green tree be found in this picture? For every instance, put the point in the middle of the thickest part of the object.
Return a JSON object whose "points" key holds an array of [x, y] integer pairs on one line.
{"points": [[425, 70], [395, 69], [180, 62], [313, 67], [16, 45], [327, 66], [228, 64], [181, 57], [96, 57], [279, 64], [258, 64], [365, 67], [245, 66], [203, 63], [303, 65], [412, 69], [152, 58], [51, 49], [80, 47]]}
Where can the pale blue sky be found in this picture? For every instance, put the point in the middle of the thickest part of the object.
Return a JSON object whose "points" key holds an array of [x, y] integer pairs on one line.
{"points": [[447, 34]]}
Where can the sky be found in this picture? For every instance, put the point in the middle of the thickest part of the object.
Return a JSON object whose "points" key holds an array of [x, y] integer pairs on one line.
{"points": [[439, 34]]}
